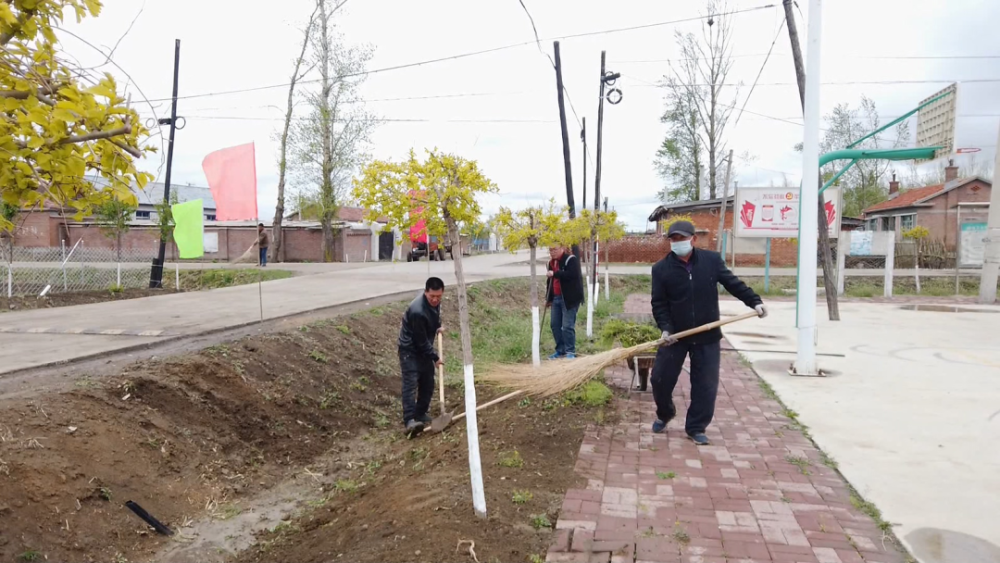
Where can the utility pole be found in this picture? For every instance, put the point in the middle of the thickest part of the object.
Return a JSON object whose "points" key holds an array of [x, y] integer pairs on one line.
{"points": [[565, 132], [722, 206], [607, 79], [991, 264], [156, 275], [805, 359], [583, 138], [829, 281]]}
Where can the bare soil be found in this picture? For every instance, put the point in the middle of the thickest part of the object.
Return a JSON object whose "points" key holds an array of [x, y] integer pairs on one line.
{"points": [[293, 436], [30, 302]]}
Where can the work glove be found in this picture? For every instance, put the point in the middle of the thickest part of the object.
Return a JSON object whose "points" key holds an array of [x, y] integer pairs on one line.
{"points": [[667, 338], [761, 311]]}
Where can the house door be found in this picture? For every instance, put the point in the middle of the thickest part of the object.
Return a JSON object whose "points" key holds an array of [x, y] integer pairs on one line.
{"points": [[385, 246]]}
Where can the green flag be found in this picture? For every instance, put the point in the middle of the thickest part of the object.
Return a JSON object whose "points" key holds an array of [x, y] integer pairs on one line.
{"points": [[189, 228]]}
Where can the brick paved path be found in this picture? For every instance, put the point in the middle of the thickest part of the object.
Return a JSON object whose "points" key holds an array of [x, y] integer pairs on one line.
{"points": [[747, 498]]}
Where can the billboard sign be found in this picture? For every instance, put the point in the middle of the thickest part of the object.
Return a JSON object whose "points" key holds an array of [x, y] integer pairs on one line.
{"points": [[972, 245], [774, 212]]}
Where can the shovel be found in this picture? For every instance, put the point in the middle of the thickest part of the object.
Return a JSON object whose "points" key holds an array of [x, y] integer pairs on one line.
{"points": [[441, 422]]}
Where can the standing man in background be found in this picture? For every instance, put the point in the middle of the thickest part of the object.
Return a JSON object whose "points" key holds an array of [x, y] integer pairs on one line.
{"points": [[263, 242], [417, 356], [686, 296], [564, 293]]}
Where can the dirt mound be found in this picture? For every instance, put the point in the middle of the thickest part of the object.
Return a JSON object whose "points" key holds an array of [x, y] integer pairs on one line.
{"points": [[203, 437]]}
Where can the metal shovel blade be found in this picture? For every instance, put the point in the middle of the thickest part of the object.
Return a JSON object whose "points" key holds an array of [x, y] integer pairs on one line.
{"points": [[441, 422]]}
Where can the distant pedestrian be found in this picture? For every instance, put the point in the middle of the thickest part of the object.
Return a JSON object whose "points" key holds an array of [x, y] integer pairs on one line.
{"points": [[417, 356], [263, 242], [564, 293], [685, 296]]}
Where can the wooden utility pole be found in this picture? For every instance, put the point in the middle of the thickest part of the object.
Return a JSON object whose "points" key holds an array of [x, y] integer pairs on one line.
{"points": [[565, 132], [722, 206], [583, 139], [829, 272]]}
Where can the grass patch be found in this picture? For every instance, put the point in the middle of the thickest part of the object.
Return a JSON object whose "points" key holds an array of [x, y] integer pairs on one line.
{"points": [[346, 486], [593, 393], [318, 356], [870, 510], [540, 521], [667, 475], [800, 462], [680, 535], [29, 555], [511, 459], [218, 278], [522, 497]]}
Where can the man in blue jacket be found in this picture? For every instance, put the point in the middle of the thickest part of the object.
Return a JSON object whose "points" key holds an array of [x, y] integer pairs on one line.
{"points": [[686, 296], [417, 356]]}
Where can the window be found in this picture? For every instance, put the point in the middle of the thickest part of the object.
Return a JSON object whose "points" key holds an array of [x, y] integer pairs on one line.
{"points": [[210, 217], [142, 215], [872, 225], [888, 223], [907, 222]]}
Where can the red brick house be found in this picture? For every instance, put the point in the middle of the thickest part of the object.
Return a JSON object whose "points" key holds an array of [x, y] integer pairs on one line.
{"points": [[935, 208]]}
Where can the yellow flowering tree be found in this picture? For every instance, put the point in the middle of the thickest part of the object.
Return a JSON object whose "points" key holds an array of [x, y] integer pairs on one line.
{"points": [[442, 191], [54, 129], [530, 228], [589, 226]]}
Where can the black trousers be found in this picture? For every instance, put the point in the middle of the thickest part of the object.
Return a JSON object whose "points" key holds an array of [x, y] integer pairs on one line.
{"points": [[704, 382], [418, 384]]}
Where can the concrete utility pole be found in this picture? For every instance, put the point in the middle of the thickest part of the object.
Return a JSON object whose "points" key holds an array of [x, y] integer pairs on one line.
{"points": [[832, 302], [805, 359], [991, 264], [722, 206]]}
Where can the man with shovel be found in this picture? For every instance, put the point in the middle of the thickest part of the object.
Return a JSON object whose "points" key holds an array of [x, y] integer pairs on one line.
{"points": [[685, 296], [417, 357]]}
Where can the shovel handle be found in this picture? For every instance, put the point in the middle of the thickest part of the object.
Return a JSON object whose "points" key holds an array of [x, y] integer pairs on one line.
{"points": [[490, 404], [440, 343]]}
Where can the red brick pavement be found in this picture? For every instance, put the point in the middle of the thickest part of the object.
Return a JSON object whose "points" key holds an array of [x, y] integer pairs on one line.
{"points": [[747, 498]]}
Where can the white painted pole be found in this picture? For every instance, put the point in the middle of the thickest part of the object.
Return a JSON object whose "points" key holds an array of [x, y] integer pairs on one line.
{"points": [[119, 275], [177, 275], [607, 284], [536, 338], [805, 359], [590, 314], [597, 289], [10, 281], [991, 263], [890, 263], [472, 430]]}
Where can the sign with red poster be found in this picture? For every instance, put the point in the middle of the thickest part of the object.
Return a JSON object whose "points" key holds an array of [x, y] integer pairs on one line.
{"points": [[774, 212]]}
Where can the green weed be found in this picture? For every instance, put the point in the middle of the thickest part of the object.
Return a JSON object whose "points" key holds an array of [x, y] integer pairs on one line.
{"points": [[29, 555], [801, 462], [511, 459], [539, 521], [522, 497], [594, 393], [667, 475], [318, 356]]}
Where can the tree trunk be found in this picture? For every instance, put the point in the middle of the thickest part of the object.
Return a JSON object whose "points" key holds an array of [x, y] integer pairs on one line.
{"points": [[536, 329], [279, 209], [327, 119], [471, 422], [829, 272], [328, 240]]}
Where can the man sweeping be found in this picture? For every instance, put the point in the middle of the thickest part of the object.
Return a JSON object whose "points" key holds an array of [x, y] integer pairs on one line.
{"points": [[685, 296], [417, 356], [563, 294], [263, 242]]}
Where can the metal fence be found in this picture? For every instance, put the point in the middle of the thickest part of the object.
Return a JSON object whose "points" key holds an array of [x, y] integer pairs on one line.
{"points": [[32, 271]]}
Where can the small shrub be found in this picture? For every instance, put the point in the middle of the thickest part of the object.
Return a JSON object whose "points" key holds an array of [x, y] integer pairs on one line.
{"points": [[594, 393], [318, 356], [345, 486], [539, 521], [344, 329], [511, 459], [116, 289], [522, 497], [29, 555]]}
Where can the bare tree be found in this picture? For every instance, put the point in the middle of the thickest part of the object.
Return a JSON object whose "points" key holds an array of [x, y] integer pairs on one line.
{"points": [[329, 144], [679, 158], [297, 74], [700, 75]]}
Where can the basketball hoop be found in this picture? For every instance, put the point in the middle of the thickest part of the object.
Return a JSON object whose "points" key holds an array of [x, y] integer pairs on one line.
{"points": [[967, 150]]}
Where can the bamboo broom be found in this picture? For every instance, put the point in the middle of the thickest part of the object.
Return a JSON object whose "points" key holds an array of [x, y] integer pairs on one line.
{"points": [[557, 376]]}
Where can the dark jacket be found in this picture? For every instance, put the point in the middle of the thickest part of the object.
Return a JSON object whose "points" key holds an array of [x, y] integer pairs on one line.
{"points": [[419, 328], [570, 281], [682, 301]]}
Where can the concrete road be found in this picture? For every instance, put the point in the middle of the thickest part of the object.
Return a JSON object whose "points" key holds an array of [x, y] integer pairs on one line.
{"points": [[45, 336], [911, 414]]}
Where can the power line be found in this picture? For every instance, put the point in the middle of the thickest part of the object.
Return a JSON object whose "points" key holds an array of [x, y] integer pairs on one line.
{"points": [[845, 83], [861, 57], [760, 72], [384, 120], [465, 55]]}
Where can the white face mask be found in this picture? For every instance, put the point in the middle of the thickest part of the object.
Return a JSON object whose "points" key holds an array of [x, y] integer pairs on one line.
{"points": [[681, 247]]}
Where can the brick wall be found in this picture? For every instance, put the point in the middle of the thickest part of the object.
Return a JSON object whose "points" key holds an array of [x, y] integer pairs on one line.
{"points": [[651, 248]]}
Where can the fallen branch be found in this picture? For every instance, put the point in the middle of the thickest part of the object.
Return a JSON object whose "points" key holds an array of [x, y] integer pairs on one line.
{"points": [[472, 548]]}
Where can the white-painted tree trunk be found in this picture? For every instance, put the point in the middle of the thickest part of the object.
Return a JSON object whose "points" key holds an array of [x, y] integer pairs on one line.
{"points": [[119, 275], [597, 290], [590, 315], [177, 275], [471, 421], [607, 268], [536, 330]]}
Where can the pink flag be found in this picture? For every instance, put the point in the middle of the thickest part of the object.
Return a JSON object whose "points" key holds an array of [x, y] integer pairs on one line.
{"points": [[232, 177]]}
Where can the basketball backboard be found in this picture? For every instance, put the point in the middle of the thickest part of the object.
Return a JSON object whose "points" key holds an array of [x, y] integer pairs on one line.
{"points": [[936, 122]]}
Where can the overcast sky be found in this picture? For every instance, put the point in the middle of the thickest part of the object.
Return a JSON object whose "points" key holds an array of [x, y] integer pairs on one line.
{"points": [[500, 108]]}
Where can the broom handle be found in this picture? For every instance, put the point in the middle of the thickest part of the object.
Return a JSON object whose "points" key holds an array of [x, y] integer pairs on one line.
{"points": [[696, 330], [440, 340], [490, 404]]}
